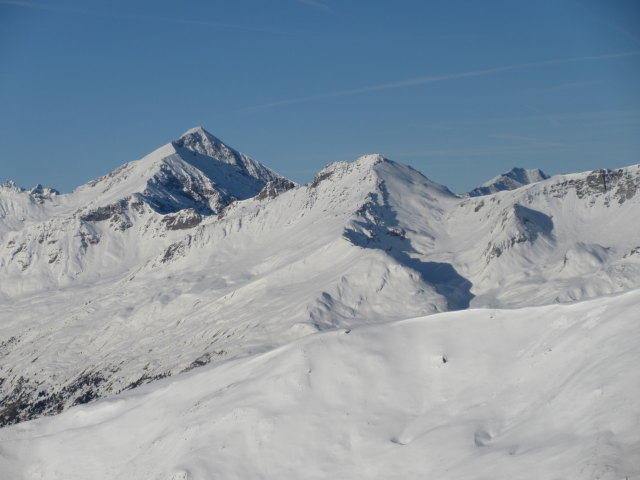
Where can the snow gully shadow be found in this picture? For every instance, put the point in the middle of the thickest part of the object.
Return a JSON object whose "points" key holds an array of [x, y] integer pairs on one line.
{"points": [[378, 228]]}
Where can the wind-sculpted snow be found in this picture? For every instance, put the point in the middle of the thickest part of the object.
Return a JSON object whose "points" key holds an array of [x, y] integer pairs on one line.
{"points": [[537, 393], [196, 254]]}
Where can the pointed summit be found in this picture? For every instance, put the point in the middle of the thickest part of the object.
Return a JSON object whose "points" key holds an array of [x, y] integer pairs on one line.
{"points": [[199, 141], [198, 129], [514, 178], [371, 159], [524, 176], [197, 171]]}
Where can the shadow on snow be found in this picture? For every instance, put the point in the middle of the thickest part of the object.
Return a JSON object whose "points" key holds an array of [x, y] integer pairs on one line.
{"points": [[379, 229]]}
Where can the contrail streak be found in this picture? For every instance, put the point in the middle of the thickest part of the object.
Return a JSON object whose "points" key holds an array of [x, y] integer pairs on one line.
{"points": [[439, 78]]}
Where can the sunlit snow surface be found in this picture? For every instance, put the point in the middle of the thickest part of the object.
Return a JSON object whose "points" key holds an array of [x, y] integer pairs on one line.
{"points": [[537, 393], [199, 263]]}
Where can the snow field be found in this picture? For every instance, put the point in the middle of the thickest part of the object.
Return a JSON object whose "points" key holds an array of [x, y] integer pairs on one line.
{"points": [[535, 393]]}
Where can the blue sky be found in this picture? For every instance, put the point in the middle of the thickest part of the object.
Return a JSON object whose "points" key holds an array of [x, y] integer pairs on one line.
{"points": [[461, 90]]}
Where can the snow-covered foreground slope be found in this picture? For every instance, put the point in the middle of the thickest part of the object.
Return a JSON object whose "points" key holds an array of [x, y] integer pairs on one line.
{"points": [[536, 393]]}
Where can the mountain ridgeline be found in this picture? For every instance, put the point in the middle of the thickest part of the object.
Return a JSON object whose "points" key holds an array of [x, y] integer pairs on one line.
{"points": [[197, 253]]}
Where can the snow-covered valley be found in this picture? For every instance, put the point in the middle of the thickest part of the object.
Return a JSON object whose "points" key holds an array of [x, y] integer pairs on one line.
{"points": [[200, 264]]}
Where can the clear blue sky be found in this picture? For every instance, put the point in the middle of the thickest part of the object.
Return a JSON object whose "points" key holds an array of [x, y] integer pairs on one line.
{"points": [[461, 90]]}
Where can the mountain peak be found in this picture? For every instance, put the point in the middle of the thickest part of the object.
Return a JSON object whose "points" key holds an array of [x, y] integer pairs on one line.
{"points": [[196, 171], [361, 165], [199, 133], [525, 176], [199, 129], [371, 159], [10, 186], [198, 140], [514, 178]]}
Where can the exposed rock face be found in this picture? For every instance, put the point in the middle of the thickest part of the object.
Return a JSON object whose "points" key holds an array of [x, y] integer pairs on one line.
{"points": [[182, 220], [275, 188], [617, 185]]}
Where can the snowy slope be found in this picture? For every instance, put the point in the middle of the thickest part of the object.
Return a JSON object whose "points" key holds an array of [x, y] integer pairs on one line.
{"points": [[514, 178], [196, 254], [539, 393]]}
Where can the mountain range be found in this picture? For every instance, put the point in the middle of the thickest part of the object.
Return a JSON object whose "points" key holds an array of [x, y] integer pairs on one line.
{"points": [[198, 245], [198, 254]]}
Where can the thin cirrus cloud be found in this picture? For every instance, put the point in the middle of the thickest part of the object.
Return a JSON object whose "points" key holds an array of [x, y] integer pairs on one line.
{"points": [[605, 117], [539, 142], [497, 150], [439, 78], [143, 18], [564, 86], [614, 26], [314, 4]]}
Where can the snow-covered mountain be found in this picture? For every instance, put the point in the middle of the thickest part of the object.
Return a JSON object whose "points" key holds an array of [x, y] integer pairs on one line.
{"points": [[514, 178], [566, 238], [196, 171], [536, 393], [48, 235], [197, 254]]}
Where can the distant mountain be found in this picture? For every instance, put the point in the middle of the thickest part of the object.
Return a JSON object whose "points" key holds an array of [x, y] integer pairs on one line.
{"points": [[514, 178], [183, 181], [196, 171], [196, 253]]}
